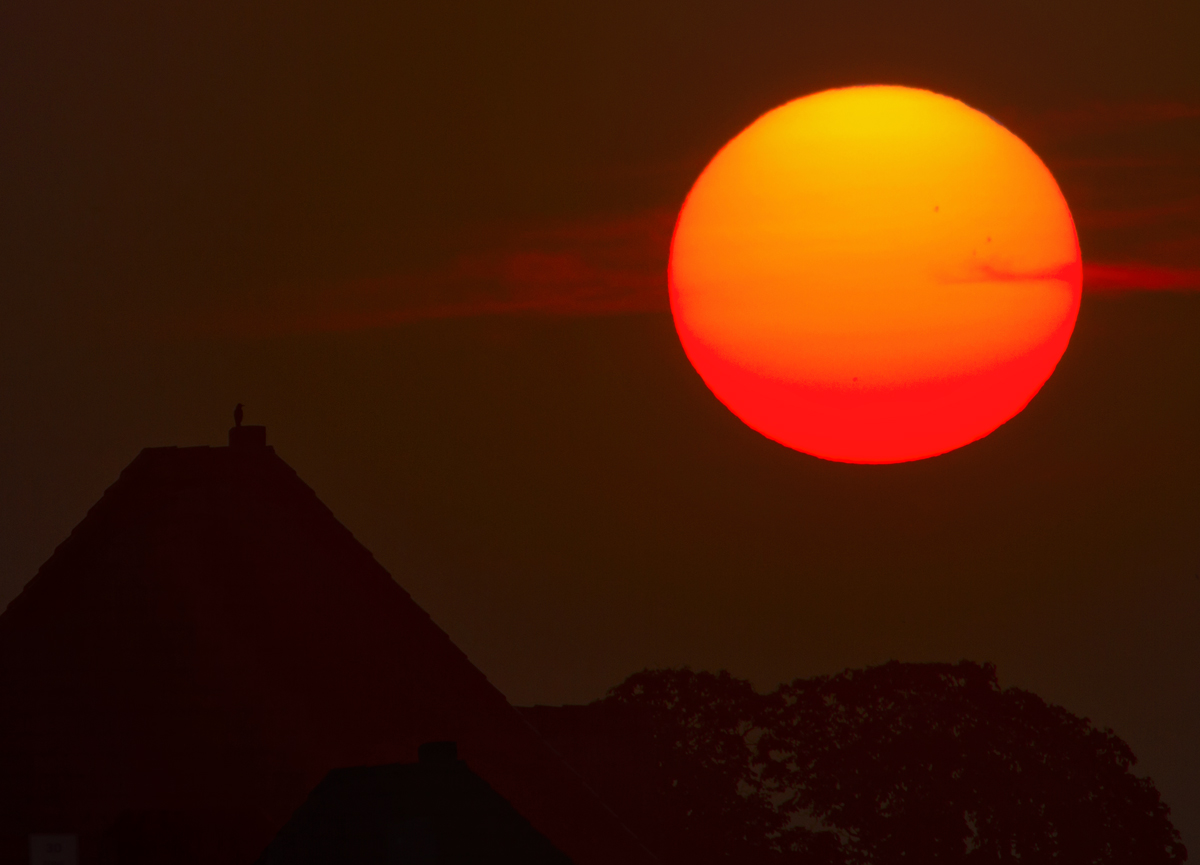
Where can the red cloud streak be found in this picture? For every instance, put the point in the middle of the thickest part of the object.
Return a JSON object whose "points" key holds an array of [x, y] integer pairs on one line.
{"points": [[588, 267], [592, 267], [1139, 277]]}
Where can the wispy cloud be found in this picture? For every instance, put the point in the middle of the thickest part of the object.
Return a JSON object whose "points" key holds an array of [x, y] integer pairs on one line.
{"points": [[600, 266], [1129, 172], [1121, 217], [592, 267], [1139, 277], [1100, 118]]}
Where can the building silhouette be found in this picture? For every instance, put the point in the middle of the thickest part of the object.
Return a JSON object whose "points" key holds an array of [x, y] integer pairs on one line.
{"points": [[207, 644], [434, 811]]}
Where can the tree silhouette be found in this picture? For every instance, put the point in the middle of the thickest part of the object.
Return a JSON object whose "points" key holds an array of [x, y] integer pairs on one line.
{"points": [[898, 763]]}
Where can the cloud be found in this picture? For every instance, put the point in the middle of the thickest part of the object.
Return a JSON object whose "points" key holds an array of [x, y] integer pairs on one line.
{"points": [[1098, 277], [1095, 118], [1137, 204], [1130, 173], [1177, 210], [600, 266]]}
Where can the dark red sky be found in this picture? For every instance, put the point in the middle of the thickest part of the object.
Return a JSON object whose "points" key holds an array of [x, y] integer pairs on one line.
{"points": [[426, 247]]}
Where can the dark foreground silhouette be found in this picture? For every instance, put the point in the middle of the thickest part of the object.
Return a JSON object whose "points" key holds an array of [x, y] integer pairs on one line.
{"points": [[207, 645], [433, 812], [901, 763]]}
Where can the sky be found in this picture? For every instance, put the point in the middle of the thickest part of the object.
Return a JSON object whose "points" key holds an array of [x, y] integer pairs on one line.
{"points": [[426, 246]]}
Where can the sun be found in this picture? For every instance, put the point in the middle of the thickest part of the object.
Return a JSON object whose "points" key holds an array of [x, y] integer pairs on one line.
{"points": [[875, 274]]}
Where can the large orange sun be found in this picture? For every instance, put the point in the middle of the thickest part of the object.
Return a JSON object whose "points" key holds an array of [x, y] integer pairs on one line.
{"points": [[875, 274]]}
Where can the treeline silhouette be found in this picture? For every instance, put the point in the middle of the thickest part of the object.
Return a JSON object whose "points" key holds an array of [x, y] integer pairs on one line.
{"points": [[899, 763]]}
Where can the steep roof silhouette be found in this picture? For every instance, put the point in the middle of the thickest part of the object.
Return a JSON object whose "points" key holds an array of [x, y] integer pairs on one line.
{"points": [[207, 644], [434, 811]]}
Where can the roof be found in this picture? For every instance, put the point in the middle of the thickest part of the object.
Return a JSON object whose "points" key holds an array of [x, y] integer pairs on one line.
{"points": [[435, 810], [209, 642]]}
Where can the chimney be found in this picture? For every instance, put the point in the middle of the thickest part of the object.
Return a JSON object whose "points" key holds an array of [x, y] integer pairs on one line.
{"points": [[432, 753]]}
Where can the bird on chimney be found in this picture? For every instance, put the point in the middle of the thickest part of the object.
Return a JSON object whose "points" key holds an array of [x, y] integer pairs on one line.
{"points": [[237, 415]]}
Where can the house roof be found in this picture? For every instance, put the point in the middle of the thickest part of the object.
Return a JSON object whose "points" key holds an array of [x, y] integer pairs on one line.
{"points": [[434, 810], [210, 640]]}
